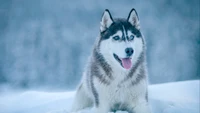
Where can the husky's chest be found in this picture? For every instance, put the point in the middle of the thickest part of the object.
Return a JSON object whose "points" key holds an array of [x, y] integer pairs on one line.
{"points": [[122, 95], [118, 91]]}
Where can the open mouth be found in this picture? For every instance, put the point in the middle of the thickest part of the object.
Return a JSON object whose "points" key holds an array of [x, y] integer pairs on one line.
{"points": [[124, 62]]}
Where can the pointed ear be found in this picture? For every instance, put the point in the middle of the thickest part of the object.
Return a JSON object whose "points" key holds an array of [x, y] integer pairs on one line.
{"points": [[106, 20], [133, 18]]}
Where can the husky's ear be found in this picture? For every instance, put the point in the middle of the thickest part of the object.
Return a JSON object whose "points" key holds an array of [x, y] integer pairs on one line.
{"points": [[106, 20], [133, 18]]}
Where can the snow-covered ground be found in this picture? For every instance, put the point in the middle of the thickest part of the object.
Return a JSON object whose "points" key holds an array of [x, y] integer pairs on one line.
{"points": [[178, 97]]}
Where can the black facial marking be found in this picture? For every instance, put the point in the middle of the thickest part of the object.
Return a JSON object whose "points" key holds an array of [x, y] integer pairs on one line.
{"points": [[117, 58], [126, 35], [118, 25], [123, 38]]}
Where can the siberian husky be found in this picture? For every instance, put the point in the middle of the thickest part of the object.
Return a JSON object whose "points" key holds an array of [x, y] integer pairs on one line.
{"points": [[115, 77]]}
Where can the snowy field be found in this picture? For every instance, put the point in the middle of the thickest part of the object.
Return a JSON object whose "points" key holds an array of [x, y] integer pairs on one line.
{"points": [[178, 97]]}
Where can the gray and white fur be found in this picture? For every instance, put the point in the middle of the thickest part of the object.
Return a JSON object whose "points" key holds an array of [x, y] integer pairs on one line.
{"points": [[116, 76]]}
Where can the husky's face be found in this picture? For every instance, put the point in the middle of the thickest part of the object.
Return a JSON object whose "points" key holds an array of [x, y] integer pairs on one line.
{"points": [[121, 41]]}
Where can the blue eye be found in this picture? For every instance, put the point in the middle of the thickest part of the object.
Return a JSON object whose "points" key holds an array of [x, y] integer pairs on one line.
{"points": [[116, 37], [131, 37]]}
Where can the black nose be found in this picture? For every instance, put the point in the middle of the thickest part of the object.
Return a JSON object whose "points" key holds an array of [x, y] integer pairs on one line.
{"points": [[129, 51]]}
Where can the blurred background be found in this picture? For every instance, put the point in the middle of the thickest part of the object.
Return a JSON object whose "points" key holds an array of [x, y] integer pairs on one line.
{"points": [[45, 44]]}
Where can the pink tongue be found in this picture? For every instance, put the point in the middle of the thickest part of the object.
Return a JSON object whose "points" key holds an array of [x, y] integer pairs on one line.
{"points": [[126, 62]]}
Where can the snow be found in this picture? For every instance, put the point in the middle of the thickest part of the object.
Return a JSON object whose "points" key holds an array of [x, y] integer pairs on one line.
{"points": [[177, 97]]}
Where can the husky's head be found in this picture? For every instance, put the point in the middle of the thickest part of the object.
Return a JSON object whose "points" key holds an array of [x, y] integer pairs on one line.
{"points": [[121, 41]]}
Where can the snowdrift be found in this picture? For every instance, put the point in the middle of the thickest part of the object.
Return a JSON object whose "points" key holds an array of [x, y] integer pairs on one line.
{"points": [[178, 97]]}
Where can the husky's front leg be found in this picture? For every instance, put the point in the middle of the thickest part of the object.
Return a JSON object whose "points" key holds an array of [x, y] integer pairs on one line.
{"points": [[82, 100]]}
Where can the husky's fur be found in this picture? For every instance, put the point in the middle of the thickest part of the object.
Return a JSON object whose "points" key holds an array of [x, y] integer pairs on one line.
{"points": [[105, 83]]}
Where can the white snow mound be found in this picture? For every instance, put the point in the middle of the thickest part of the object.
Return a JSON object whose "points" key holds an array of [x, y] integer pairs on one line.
{"points": [[178, 97]]}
